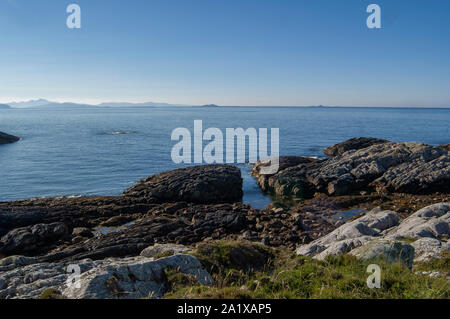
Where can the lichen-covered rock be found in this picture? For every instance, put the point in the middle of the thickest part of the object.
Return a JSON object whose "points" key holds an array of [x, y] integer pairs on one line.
{"points": [[352, 144], [429, 248], [161, 249], [382, 167], [391, 251], [133, 278], [265, 181], [291, 179], [428, 228], [432, 221], [7, 139], [199, 184], [25, 278], [430, 172], [136, 277], [351, 235], [12, 262], [394, 167], [382, 233]]}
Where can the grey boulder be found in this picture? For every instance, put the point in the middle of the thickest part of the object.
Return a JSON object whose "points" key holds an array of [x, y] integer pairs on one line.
{"points": [[392, 251], [352, 144], [351, 235], [420, 237], [159, 249], [431, 221], [134, 277], [427, 249]]}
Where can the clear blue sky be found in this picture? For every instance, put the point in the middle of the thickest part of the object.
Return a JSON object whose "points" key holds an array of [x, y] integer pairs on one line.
{"points": [[228, 52]]}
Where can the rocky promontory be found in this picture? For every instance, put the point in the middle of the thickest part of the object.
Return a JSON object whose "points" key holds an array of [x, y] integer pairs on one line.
{"points": [[7, 139], [362, 165]]}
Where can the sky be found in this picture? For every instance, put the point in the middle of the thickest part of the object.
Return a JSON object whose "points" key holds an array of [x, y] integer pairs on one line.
{"points": [[227, 52]]}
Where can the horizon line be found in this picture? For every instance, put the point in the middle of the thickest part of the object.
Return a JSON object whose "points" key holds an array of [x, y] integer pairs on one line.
{"points": [[104, 104]]}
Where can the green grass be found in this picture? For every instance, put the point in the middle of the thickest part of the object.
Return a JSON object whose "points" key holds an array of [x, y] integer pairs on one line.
{"points": [[285, 275], [166, 253], [220, 257], [51, 293], [408, 240]]}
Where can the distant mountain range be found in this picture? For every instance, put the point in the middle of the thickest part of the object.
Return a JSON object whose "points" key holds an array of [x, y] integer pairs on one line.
{"points": [[4, 106], [31, 103], [145, 104], [42, 103]]}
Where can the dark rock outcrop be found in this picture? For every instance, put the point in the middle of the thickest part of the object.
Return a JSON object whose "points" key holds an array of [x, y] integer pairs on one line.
{"points": [[86, 212], [269, 184], [181, 223], [384, 167], [185, 224], [7, 139], [28, 239], [199, 184], [356, 143]]}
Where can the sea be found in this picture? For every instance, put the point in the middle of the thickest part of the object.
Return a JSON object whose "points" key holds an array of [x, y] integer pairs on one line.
{"points": [[81, 151]]}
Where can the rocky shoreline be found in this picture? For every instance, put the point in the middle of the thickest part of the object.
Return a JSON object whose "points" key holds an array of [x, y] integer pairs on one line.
{"points": [[370, 197], [362, 165]]}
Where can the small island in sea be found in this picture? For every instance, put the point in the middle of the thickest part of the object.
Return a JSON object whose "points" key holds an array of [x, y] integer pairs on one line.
{"points": [[7, 139]]}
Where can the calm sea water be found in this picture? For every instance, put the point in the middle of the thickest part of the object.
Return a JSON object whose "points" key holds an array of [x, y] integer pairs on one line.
{"points": [[66, 152]]}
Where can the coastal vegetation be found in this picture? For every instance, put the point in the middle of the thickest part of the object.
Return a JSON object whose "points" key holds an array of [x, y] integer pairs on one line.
{"points": [[286, 275]]}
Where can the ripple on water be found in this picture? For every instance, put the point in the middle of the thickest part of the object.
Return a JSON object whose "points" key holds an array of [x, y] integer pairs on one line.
{"points": [[118, 132]]}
